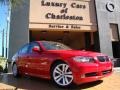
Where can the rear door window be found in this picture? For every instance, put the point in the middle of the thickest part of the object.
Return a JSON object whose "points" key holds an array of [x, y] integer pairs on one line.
{"points": [[24, 49]]}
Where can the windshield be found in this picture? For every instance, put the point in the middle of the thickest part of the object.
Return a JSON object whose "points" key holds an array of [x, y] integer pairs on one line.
{"points": [[49, 45]]}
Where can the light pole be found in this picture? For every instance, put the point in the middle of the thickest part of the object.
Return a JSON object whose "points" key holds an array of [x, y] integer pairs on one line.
{"points": [[3, 43], [7, 28]]}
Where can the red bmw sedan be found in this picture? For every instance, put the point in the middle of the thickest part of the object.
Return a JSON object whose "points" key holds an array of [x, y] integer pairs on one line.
{"points": [[61, 64]]}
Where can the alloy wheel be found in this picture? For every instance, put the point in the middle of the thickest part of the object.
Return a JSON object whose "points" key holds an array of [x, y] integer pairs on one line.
{"points": [[62, 75]]}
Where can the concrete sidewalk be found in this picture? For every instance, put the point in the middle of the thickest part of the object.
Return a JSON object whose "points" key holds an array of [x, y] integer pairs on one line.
{"points": [[6, 87], [8, 82]]}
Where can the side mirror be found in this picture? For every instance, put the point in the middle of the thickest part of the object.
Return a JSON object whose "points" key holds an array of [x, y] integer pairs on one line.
{"points": [[36, 49]]}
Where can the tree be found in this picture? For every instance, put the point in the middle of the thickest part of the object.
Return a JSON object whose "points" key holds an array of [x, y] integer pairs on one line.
{"points": [[12, 3]]}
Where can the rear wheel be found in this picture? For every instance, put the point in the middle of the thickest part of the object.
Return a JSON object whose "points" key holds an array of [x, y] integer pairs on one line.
{"points": [[15, 70], [62, 75]]}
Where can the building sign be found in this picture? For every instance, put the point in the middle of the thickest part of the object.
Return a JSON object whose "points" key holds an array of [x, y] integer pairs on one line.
{"points": [[62, 14], [63, 11], [57, 26]]}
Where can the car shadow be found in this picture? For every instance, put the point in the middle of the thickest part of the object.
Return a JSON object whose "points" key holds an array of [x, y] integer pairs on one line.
{"points": [[32, 83]]}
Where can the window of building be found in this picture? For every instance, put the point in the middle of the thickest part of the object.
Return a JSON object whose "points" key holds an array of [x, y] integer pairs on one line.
{"points": [[114, 32]]}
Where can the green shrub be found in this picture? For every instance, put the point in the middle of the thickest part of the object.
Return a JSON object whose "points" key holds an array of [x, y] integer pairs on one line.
{"points": [[3, 65]]}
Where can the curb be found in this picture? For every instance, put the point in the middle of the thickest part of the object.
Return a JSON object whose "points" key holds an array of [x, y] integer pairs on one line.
{"points": [[6, 87]]}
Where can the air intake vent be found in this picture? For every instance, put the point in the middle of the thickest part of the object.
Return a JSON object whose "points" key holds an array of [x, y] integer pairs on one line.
{"points": [[103, 58]]}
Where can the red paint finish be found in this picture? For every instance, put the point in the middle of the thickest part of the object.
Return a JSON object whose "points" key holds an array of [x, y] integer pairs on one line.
{"points": [[39, 63]]}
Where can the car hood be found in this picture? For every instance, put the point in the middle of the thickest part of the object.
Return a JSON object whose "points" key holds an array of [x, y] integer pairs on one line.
{"points": [[76, 53]]}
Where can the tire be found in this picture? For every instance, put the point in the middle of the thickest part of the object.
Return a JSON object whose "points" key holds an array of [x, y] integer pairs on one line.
{"points": [[15, 70], [61, 75]]}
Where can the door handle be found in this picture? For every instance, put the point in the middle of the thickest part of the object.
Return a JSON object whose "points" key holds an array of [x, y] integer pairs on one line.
{"points": [[26, 65]]}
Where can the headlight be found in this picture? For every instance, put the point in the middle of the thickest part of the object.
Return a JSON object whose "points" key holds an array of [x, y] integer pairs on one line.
{"points": [[83, 59]]}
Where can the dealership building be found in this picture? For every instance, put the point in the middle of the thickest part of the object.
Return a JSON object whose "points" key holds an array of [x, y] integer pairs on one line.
{"points": [[81, 24]]}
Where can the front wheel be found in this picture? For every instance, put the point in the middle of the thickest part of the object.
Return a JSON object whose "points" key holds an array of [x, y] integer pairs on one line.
{"points": [[62, 74]]}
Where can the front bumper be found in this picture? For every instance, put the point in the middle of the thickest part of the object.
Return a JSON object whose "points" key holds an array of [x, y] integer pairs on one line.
{"points": [[84, 72]]}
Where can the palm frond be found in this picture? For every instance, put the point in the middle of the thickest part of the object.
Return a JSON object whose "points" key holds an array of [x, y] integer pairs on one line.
{"points": [[15, 3], [12, 3]]}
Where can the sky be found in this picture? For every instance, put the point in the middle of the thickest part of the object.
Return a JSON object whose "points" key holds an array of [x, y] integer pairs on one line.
{"points": [[3, 23]]}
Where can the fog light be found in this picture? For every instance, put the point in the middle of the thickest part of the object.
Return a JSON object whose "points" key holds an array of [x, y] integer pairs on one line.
{"points": [[83, 76]]}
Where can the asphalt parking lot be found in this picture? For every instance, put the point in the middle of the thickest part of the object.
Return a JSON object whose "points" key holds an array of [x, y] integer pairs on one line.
{"points": [[8, 82]]}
